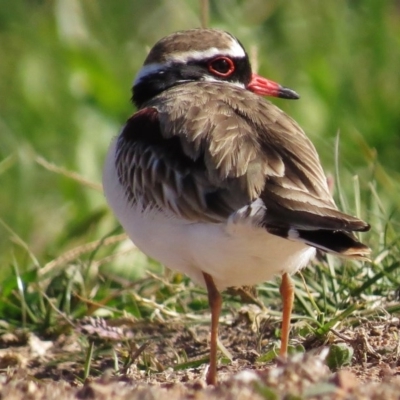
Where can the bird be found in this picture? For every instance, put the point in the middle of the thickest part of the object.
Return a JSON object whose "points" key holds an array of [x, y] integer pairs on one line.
{"points": [[214, 181]]}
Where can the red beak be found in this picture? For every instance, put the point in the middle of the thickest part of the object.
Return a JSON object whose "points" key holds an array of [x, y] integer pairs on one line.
{"points": [[265, 87]]}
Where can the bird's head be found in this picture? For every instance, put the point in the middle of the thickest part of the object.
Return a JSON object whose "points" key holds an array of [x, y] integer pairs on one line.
{"points": [[201, 55]]}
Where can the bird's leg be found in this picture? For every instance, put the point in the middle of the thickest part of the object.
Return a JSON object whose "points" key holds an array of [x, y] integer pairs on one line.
{"points": [[215, 302], [287, 294]]}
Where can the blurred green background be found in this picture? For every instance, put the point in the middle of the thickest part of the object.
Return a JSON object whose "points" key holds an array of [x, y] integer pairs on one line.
{"points": [[66, 68]]}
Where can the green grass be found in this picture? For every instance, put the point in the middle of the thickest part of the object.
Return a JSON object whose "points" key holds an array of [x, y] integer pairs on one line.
{"points": [[65, 80]]}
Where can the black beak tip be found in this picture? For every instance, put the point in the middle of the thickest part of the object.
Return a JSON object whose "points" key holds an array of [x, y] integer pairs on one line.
{"points": [[286, 93]]}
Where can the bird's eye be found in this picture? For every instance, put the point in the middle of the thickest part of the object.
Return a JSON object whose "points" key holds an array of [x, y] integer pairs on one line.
{"points": [[221, 66]]}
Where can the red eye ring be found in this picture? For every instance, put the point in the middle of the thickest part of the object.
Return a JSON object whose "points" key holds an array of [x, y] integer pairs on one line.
{"points": [[221, 66]]}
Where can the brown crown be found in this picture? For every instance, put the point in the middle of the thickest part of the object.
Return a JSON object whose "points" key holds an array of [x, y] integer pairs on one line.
{"points": [[189, 40]]}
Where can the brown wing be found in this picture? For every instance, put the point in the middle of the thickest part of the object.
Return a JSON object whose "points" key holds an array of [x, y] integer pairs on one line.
{"points": [[157, 172], [218, 149]]}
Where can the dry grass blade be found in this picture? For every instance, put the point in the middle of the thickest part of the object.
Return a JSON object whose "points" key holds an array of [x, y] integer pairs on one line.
{"points": [[60, 313], [74, 253], [18, 240], [69, 174], [162, 309]]}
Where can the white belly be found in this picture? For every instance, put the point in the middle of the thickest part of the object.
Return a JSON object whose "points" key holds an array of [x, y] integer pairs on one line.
{"points": [[233, 253]]}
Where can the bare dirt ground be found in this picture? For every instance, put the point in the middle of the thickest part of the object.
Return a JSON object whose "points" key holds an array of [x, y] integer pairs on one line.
{"points": [[168, 361]]}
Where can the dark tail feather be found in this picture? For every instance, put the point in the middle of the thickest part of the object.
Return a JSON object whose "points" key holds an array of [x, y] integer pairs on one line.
{"points": [[337, 242], [341, 243]]}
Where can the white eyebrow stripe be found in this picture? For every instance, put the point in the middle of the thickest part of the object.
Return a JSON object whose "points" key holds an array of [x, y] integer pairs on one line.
{"points": [[234, 52], [146, 70]]}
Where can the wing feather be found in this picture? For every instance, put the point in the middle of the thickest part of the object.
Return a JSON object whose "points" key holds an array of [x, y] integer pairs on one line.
{"points": [[219, 149]]}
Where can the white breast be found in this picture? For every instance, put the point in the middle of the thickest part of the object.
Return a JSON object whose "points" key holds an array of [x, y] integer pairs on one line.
{"points": [[233, 253]]}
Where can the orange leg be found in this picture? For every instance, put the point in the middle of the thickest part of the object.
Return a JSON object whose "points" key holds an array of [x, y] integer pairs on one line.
{"points": [[215, 302], [287, 293]]}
